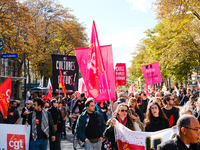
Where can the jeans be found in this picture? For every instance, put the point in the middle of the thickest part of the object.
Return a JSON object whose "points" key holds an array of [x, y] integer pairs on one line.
{"points": [[93, 146], [38, 145], [63, 129], [56, 144]]}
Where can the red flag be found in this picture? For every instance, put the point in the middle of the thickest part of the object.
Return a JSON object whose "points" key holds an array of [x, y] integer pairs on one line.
{"points": [[198, 84], [61, 84], [5, 92], [49, 96], [147, 91], [95, 64]]}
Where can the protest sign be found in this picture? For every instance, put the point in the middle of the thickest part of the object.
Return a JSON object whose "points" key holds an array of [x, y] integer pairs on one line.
{"points": [[14, 137], [120, 74], [70, 72], [151, 73]]}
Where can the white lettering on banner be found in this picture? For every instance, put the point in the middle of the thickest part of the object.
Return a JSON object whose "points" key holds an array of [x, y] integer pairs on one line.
{"points": [[120, 73], [8, 99], [65, 65], [16, 144], [120, 78]]}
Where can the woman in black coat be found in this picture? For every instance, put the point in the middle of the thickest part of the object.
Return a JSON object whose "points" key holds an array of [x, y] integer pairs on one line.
{"points": [[26, 110], [155, 118]]}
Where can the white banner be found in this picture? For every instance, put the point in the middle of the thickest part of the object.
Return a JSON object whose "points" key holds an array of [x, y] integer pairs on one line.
{"points": [[14, 137], [128, 139]]}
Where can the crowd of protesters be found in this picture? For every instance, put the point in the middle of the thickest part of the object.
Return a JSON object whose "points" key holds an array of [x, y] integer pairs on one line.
{"points": [[94, 122]]}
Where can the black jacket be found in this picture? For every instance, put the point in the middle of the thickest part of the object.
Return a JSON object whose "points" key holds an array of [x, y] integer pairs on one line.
{"points": [[25, 117], [1, 117], [177, 144], [57, 118]]}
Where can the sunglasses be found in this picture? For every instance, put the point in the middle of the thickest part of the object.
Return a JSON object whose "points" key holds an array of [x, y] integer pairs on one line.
{"points": [[124, 110]]}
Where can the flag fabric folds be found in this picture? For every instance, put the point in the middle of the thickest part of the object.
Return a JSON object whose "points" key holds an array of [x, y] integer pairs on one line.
{"points": [[61, 83], [198, 84], [95, 64], [5, 92], [49, 96], [41, 82], [49, 84]]}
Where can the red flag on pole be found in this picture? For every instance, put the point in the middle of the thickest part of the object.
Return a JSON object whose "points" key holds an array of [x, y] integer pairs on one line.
{"points": [[5, 92], [61, 83], [95, 64], [49, 96]]}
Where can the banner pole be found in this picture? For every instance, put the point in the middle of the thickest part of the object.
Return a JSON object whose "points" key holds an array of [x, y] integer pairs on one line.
{"points": [[109, 94]]}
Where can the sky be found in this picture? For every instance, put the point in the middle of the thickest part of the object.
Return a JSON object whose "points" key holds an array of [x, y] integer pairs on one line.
{"points": [[121, 23]]}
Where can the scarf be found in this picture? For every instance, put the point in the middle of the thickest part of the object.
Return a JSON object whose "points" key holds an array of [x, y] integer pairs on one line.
{"points": [[44, 124], [122, 122]]}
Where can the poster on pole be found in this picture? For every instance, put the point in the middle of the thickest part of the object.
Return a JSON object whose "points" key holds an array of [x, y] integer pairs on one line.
{"points": [[120, 74], [14, 137], [70, 71], [152, 73]]}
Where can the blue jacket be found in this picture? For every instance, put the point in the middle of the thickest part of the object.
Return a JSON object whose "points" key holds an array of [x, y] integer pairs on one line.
{"points": [[80, 126]]}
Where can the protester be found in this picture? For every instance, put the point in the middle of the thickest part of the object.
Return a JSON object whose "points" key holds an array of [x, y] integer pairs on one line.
{"points": [[193, 92], [104, 108], [58, 125], [75, 113], [138, 98], [47, 103], [171, 112], [26, 110], [177, 99], [122, 115], [145, 101], [13, 114], [185, 98], [155, 118], [90, 126], [159, 101], [121, 95], [196, 111], [191, 102], [41, 126], [63, 111], [135, 112], [80, 104], [188, 135]]}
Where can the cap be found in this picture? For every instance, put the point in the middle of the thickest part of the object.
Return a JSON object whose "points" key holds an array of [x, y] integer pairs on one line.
{"points": [[121, 100], [44, 97]]}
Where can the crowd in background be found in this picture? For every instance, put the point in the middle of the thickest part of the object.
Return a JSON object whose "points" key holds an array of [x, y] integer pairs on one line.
{"points": [[137, 111]]}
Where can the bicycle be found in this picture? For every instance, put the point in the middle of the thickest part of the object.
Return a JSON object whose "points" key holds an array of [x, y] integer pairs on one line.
{"points": [[76, 140]]}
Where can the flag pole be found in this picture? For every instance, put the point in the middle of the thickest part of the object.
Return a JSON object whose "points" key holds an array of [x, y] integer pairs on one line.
{"points": [[109, 94]]}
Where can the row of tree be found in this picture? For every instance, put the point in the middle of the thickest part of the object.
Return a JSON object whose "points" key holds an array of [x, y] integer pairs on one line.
{"points": [[35, 29], [174, 42]]}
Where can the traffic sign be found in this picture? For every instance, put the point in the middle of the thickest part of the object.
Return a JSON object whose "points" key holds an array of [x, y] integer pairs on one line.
{"points": [[9, 55], [197, 68], [1, 44]]}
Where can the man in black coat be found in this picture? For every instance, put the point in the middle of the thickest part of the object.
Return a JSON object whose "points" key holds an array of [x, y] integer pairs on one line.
{"points": [[188, 135]]}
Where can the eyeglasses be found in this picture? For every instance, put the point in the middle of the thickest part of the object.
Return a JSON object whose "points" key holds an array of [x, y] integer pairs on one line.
{"points": [[124, 110], [173, 99], [193, 129]]}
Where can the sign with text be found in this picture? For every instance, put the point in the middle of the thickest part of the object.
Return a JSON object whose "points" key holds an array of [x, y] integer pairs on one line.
{"points": [[9, 55], [151, 73], [14, 137], [120, 74], [70, 72]]}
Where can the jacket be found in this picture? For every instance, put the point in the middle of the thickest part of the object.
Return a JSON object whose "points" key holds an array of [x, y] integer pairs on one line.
{"points": [[177, 144], [81, 123]]}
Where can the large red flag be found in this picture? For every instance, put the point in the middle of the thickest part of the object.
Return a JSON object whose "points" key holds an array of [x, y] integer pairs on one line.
{"points": [[49, 96], [198, 84], [95, 64], [61, 83], [5, 92]]}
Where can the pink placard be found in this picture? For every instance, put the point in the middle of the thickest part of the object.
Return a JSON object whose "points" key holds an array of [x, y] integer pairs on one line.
{"points": [[120, 74], [151, 73], [82, 57]]}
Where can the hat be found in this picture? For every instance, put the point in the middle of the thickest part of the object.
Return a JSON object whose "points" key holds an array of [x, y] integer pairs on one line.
{"points": [[121, 100], [44, 97]]}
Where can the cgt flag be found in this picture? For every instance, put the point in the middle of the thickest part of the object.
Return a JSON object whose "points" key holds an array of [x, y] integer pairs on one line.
{"points": [[5, 92], [61, 83], [95, 64]]}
